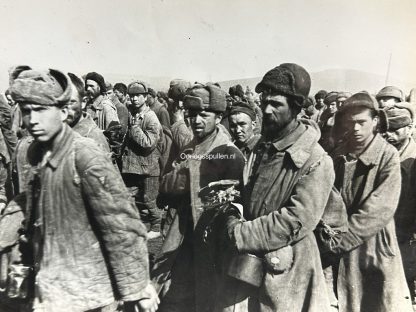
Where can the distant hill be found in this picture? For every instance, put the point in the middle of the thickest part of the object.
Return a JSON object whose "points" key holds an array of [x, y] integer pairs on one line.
{"points": [[157, 83], [336, 80], [331, 80]]}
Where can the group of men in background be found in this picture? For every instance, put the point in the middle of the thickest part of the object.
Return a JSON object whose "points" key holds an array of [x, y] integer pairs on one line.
{"points": [[325, 185]]}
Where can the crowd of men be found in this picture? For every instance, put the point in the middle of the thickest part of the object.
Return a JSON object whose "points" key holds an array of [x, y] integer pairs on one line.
{"points": [[310, 203]]}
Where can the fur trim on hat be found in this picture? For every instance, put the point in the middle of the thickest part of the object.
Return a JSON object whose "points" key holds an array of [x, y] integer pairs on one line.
{"points": [[288, 79], [178, 89], [51, 87], [211, 98]]}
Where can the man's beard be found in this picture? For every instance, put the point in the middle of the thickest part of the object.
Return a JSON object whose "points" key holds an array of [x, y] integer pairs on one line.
{"points": [[272, 128]]}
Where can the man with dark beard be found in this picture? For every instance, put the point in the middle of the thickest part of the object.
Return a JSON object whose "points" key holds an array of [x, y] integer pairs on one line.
{"points": [[101, 109], [290, 179]]}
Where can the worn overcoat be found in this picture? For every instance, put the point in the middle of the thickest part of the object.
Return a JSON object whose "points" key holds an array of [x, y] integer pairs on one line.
{"points": [[89, 243], [216, 158], [286, 195], [371, 276]]}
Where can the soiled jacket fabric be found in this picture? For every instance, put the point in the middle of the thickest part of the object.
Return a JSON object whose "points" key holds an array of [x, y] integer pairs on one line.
{"points": [[103, 112], [122, 113], [87, 128], [181, 134], [161, 113], [92, 244], [203, 165], [405, 216], [285, 197], [141, 155], [371, 276]]}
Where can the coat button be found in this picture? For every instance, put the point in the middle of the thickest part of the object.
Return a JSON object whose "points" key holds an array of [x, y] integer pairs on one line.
{"points": [[275, 260]]}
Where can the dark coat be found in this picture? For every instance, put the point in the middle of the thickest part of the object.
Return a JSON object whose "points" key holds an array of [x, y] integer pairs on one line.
{"points": [[371, 276], [185, 182], [405, 216], [286, 195], [92, 243]]}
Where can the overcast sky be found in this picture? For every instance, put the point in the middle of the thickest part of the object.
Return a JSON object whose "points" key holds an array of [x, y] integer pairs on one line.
{"points": [[208, 40]]}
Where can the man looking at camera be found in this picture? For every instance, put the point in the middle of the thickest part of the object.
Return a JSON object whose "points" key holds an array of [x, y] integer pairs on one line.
{"points": [[184, 271]]}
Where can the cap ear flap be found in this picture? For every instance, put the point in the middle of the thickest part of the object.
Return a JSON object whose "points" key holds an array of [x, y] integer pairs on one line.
{"points": [[14, 72], [63, 80], [383, 123]]}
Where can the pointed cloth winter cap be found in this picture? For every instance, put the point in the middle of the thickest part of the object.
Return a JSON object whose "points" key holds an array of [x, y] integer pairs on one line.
{"points": [[360, 99], [331, 97], [399, 116], [48, 87], [391, 91], [205, 97], [288, 79]]}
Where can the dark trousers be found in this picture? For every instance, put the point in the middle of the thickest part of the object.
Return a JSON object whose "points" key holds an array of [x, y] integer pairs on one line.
{"points": [[144, 190]]}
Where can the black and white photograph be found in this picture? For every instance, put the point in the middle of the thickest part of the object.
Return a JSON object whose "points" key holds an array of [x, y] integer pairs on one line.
{"points": [[208, 156]]}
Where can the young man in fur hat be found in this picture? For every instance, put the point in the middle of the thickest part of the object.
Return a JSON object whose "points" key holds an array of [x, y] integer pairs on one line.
{"points": [[85, 240], [184, 270], [101, 109], [367, 168], [399, 134], [289, 181]]}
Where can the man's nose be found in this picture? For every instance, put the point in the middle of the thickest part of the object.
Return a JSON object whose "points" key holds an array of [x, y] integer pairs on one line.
{"points": [[268, 109]]}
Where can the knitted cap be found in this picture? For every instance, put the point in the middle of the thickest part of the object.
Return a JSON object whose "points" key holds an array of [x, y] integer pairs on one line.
{"points": [[288, 79], [243, 107], [98, 79], [205, 97], [47, 87]]}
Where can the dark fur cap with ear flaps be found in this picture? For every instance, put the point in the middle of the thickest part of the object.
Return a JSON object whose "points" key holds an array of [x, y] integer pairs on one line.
{"points": [[287, 79]]}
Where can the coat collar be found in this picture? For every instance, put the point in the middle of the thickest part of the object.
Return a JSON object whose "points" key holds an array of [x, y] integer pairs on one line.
{"points": [[85, 125], [35, 152], [97, 102], [298, 144], [371, 154]]}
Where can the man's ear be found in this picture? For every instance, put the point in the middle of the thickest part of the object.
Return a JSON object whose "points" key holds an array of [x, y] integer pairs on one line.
{"points": [[254, 123], [218, 118], [64, 113]]}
